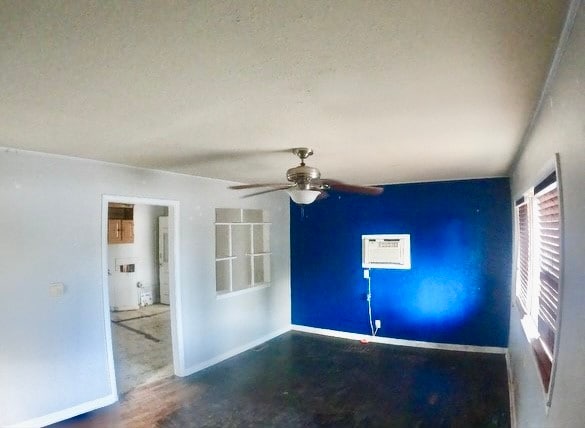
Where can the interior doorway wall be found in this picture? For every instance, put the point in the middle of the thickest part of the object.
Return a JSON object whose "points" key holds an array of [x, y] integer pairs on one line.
{"points": [[174, 289]]}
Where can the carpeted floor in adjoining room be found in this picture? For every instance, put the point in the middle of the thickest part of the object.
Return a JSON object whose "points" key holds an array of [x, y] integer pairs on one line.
{"points": [[303, 380]]}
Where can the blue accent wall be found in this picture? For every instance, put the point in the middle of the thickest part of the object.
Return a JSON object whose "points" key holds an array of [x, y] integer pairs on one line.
{"points": [[458, 289]]}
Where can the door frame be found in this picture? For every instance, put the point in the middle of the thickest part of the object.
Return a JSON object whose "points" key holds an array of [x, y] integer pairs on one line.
{"points": [[174, 281]]}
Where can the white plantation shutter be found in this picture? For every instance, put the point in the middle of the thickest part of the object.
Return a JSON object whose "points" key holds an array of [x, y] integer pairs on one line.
{"points": [[539, 268], [549, 219], [523, 253]]}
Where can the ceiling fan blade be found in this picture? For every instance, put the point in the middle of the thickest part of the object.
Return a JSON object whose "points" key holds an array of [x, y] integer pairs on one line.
{"points": [[288, 186], [352, 188], [255, 185]]}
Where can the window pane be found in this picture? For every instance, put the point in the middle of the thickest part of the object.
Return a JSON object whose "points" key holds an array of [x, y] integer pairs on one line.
{"points": [[262, 269], [241, 245], [548, 218], [523, 244], [253, 216], [242, 273], [222, 276], [261, 238], [228, 215], [222, 241]]}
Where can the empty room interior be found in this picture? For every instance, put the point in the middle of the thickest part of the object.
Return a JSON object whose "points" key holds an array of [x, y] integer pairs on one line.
{"points": [[292, 213]]}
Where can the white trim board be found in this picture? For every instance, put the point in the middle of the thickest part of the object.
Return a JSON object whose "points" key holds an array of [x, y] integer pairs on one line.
{"points": [[400, 342], [235, 351], [70, 412]]}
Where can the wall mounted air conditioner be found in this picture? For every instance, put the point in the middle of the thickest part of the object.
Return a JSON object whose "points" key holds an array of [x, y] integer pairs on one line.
{"points": [[386, 251]]}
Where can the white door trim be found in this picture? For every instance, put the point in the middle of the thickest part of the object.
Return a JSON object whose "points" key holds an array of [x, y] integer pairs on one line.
{"points": [[174, 281]]}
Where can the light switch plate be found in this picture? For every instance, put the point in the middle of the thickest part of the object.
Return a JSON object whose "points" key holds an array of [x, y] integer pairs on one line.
{"points": [[56, 289]]}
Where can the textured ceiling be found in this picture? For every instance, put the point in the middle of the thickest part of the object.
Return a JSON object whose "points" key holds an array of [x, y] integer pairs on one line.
{"points": [[383, 91]]}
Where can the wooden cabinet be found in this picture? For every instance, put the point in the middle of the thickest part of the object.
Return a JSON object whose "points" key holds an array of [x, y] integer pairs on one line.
{"points": [[120, 231], [114, 231], [120, 224], [127, 231]]}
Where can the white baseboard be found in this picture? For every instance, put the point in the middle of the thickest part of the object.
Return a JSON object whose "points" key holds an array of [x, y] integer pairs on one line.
{"points": [[110, 399], [232, 352], [67, 413], [400, 342], [511, 390]]}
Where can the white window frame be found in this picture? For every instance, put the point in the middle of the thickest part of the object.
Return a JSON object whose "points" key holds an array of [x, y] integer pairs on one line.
{"points": [[530, 312], [254, 257]]}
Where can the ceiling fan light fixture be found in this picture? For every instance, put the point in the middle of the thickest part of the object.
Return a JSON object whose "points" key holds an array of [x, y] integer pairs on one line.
{"points": [[305, 184], [304, 196]]}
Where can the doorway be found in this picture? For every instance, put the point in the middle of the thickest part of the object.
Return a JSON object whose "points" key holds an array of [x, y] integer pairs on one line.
{"points": [[140, 292]]}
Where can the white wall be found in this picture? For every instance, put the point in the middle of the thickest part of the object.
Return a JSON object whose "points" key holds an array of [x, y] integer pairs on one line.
{"points": [[560, 128], [53, 350], [144, 249]]}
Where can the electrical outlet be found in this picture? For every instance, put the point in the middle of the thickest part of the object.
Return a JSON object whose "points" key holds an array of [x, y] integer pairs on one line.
{"points": [[378, 323]]}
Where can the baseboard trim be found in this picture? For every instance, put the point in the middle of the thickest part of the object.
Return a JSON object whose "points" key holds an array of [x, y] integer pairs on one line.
{"points": [[400, 342], [511, 391], [110, 399], [233, 352], [61, 415]]}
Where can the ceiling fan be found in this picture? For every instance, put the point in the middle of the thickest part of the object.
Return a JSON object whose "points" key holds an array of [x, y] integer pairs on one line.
{"points": [[305, 183]]}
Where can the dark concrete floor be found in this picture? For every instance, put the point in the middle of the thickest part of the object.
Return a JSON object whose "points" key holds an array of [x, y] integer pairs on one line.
{"points": [[302, 380]]}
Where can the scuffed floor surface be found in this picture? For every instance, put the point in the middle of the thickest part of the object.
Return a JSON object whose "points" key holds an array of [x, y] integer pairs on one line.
{"points": [[142, 346], [302, 380]]}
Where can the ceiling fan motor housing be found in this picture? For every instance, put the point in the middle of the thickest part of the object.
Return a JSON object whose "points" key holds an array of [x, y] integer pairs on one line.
{"points": [[302, 176], [307, 184]]}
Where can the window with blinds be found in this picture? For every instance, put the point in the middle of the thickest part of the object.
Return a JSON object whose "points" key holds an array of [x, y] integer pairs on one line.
{"points": [[538, 274], [523, 254], [549, 213]]}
